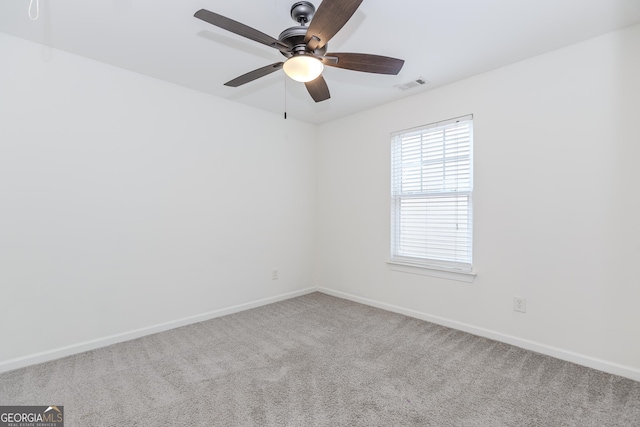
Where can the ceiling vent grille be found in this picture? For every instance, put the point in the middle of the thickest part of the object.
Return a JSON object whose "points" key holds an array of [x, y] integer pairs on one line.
{"points": [[420, 81]]}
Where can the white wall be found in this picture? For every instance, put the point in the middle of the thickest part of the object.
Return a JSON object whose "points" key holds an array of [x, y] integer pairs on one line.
{"points": [[126, 202], [557, 204]]}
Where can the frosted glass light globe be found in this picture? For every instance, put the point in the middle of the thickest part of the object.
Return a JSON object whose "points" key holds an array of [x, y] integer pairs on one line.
{"points": [[303, 68]]}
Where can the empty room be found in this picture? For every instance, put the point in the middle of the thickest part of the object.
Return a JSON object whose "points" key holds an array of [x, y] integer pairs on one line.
{"points": [[319, 213]]}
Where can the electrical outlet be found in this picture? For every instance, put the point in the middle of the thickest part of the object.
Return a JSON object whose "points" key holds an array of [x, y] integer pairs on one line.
{"points": [[520, 304], [274, 274]]}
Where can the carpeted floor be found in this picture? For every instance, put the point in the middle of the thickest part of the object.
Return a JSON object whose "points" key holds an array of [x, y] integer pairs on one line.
{"points": [[317, 360]]}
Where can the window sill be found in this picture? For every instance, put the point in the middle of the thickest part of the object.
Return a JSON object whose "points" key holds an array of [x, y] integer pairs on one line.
{"points": [[459, 276]]}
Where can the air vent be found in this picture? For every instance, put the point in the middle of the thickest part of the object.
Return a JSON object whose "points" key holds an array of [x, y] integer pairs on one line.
{"points": [[420, 81]]}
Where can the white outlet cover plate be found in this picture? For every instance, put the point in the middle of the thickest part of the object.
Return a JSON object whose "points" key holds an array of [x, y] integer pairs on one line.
{"points": [[520, 304]]}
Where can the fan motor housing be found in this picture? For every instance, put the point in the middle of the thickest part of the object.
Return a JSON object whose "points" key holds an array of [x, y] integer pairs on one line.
{"points": [[294, 37]]}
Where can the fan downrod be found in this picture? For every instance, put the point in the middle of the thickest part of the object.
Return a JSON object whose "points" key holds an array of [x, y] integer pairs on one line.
{"points": [[301, 12]]}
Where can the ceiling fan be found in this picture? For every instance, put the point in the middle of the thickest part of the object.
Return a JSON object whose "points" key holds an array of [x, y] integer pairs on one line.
{"points": [[306, 47]]}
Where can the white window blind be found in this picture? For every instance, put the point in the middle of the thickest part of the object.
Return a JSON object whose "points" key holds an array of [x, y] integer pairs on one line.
{"points": [[431, 195]]}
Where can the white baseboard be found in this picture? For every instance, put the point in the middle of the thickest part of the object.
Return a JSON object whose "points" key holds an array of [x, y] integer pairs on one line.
{"points": [[569, 356], [69, 350], [591, 362]]}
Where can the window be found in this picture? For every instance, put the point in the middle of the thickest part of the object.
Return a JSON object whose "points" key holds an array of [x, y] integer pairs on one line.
{"points": [[431, 195]]}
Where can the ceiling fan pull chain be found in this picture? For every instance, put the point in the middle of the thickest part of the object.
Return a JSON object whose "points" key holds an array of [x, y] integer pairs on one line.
{"points": [[34, 18], [285, 97]]}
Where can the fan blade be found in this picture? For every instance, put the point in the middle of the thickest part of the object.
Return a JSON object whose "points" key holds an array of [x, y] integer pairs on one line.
{"points": [[255, 74], [318, 89], [327, 21], [240, 29], [365, 62]]}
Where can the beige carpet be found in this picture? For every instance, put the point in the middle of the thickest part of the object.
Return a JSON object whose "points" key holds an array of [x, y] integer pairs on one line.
{"points": [[317, 360]]}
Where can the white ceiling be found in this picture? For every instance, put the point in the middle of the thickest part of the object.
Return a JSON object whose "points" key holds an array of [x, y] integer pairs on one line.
{"points": [[440, 40]]}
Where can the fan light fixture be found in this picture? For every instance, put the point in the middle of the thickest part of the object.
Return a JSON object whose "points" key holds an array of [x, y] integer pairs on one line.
{"points": [[305, 46], [303, 68]]}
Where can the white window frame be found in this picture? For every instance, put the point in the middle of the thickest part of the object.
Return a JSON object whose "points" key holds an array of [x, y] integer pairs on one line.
{"points": [[442, 181]]}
